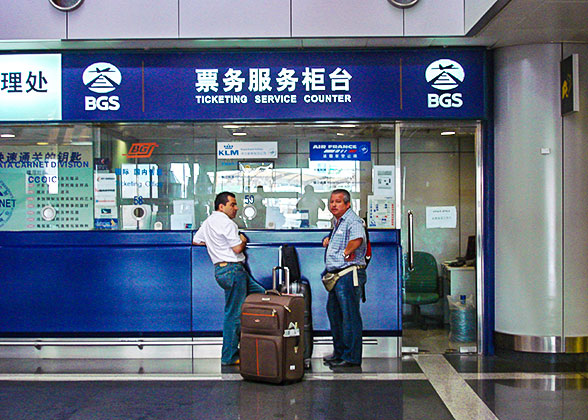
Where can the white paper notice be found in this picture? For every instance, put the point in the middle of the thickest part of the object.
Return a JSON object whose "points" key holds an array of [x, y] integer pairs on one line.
{"points": [[383, 180], [380, 212], [442, 217]]}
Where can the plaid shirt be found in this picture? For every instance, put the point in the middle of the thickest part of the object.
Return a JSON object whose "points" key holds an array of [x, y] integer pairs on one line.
{"points": [[350, 227]]}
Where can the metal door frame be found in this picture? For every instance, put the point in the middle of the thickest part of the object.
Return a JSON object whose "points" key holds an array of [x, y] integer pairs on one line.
{"points": [[480, 251]]}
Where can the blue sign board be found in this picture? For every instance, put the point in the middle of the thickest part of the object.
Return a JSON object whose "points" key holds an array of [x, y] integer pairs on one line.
{"points": [[359, 150], [274, 85]]}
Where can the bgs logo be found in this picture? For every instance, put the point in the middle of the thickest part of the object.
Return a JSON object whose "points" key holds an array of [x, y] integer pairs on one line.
{"points": [[445, 74], [102, 78]]}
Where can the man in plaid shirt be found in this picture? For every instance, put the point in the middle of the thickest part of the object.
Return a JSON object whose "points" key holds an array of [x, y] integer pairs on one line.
{"points": [[345, 254]]}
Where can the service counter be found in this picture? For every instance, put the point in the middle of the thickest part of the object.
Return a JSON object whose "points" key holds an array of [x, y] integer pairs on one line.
{"points": [[157, 284]]}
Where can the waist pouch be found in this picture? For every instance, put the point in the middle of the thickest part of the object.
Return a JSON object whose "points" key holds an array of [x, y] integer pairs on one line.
{"points": [[330, 279]]}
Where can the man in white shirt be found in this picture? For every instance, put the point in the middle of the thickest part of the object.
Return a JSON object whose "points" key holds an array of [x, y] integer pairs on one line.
{"points": [[225, 246]]}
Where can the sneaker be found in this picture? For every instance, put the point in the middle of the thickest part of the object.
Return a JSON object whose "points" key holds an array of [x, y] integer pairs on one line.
{"points": [[235, 363]]}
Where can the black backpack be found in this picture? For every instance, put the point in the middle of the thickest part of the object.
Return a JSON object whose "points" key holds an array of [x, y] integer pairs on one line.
{"points": [[290, 260]]}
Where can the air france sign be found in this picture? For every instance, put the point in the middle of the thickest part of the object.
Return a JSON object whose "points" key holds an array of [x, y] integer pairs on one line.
{"points": [[360, 150]]}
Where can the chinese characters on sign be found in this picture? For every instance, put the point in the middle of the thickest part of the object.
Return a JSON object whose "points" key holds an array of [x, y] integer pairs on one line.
{"points": [[30, 87], [37, 159], [229, 86], [57, 190], [14, 82]]}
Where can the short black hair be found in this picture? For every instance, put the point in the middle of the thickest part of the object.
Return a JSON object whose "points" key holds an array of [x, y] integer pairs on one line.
{"points": [[346, 195], [222, 198]]}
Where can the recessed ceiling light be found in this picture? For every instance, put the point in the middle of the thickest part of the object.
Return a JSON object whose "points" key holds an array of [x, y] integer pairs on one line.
{"points": [[447, 133], [340, 134], [42, 143], [347, 126], [239, 133], [230, 126], [7, 135]]}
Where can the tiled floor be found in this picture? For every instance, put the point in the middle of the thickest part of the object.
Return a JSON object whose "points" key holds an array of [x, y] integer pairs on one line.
{"points": [[423, 386]]}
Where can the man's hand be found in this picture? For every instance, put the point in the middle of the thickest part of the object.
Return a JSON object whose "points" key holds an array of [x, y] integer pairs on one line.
{"points": [[243, 237], [348, 257], [326, 242]]}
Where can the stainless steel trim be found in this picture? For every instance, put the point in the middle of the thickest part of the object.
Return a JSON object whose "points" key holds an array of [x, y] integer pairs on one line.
{"points": [[38, 344], [480, 251], [410, 241], [181, 348], [529, 343], [398, 178]]}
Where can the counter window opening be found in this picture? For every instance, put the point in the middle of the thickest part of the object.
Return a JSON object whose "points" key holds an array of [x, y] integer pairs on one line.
{"points": [[165, 176]]}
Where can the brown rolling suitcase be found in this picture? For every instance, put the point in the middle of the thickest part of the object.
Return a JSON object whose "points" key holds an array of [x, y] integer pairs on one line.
{"points": [[272, 330]]}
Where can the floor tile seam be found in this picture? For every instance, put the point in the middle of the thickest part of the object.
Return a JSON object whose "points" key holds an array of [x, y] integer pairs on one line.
{"points": [[194, 377], [460, 399], [519, 375]]}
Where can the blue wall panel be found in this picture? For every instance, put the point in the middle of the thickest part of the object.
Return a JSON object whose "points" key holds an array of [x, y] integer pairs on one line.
{"points": [[381, 312], [110, 289], [157, 283]]}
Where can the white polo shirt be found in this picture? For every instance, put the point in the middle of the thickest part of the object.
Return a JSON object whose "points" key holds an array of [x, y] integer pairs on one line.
{"points": [[220, 234]]}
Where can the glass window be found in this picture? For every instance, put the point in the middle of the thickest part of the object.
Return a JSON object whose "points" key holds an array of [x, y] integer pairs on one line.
{"points": [[165, 176]]}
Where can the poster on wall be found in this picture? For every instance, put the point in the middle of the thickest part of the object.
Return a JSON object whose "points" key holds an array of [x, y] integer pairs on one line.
{"points": [[444, 217], [105, 206], [383, 180], [139, 180], [380, 212], [46, 188]]}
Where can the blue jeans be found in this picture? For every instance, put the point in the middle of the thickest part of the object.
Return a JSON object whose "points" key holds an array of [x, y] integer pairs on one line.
{"points": [[237, 284], [345, 317]]}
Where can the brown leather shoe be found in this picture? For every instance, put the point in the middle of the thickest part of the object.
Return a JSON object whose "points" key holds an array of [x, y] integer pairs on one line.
{"points": [[343, 364]]}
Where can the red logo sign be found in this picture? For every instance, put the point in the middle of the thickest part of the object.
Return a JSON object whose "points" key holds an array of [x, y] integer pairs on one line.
{"points": [[141, 150]]}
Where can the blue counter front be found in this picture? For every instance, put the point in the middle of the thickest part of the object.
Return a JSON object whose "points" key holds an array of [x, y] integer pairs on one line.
{"points": [[123, 284]]}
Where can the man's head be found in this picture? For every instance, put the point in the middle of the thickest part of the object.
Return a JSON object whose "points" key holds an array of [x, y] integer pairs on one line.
{"points": [[227, 203], [339, 202]]}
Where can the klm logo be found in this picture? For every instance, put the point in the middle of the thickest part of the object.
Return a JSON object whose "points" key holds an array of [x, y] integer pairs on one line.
{"points": [[228, 153], [228, 150]]}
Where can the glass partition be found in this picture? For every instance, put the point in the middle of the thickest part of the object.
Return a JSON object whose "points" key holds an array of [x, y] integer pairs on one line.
{"points": [[165, 176]]}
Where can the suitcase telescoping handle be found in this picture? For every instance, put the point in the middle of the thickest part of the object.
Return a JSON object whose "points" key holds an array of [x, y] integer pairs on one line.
{"points": [[286, 271]]}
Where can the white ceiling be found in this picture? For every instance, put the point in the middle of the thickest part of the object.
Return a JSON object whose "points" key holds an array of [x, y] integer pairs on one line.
{"points": [[509, 22], [536, 22]]}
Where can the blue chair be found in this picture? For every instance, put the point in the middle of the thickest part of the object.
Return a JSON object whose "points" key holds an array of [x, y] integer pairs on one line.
{"points": [[421, 286]]}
